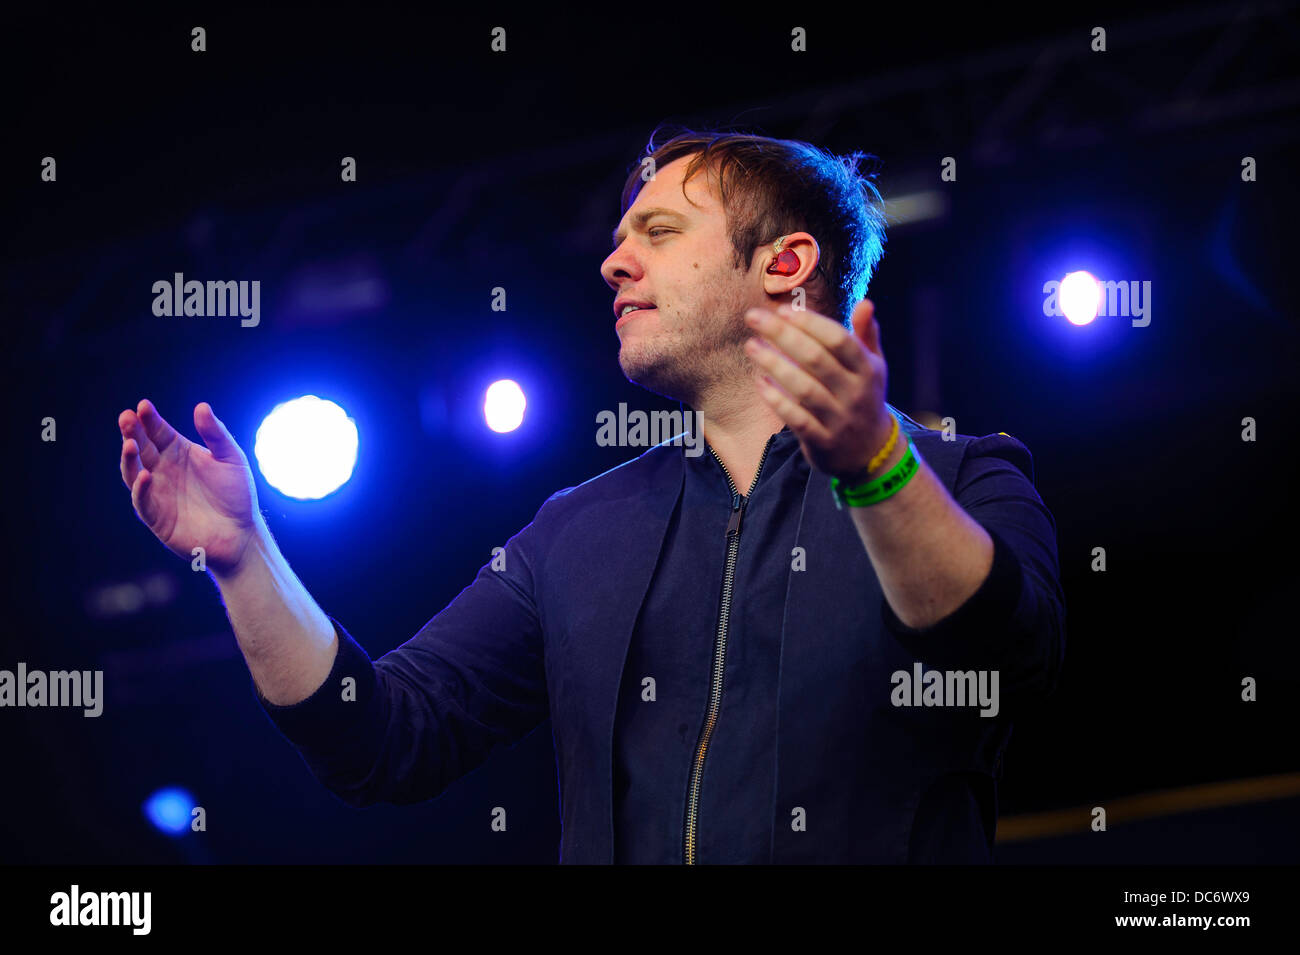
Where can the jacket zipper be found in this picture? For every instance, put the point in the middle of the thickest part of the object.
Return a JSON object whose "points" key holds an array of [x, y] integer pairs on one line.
{"points": [[720, 649]]}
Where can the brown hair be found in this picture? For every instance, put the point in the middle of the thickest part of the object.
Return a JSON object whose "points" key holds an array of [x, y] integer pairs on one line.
{"points": [[773, 187]]}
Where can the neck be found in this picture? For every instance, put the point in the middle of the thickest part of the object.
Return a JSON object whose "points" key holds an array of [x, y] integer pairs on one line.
{"points": [[737, 423]]}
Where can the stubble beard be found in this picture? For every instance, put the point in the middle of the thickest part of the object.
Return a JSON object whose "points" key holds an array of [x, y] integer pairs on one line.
{"points": [[684, 362]]}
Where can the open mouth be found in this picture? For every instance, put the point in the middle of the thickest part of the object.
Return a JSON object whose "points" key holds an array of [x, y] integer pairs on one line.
{"points": [[631, 313]]}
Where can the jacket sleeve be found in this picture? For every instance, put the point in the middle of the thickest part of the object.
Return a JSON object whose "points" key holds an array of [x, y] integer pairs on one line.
{"points": [[402, 728], [1015, 621]]}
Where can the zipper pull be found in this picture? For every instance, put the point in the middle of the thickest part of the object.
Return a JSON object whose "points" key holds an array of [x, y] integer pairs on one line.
{"points": [[737, 512]]}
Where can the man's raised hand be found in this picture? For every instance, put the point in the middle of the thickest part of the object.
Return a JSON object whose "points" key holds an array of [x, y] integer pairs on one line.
{"points": [[189, 495], [825, 382]]}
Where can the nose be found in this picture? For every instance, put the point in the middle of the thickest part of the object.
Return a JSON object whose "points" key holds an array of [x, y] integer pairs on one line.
{"points": [[620, 268]]}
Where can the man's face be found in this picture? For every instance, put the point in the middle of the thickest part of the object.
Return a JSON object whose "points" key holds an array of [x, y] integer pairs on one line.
{"points": [[676, 257]]}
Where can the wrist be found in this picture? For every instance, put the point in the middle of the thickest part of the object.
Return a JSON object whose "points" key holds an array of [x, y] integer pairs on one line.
{"points": [[257, 550], [896, 454], [892, 456]]}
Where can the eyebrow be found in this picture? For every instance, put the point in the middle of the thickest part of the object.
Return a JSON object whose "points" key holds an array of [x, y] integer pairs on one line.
{"points": [[639, 220]]}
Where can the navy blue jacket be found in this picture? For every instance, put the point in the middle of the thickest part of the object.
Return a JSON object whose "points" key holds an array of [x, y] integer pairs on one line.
{"points": [[744, 717]]}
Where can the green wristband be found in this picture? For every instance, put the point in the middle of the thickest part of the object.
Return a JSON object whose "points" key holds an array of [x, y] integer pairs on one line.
{"points": [[877, 489]]}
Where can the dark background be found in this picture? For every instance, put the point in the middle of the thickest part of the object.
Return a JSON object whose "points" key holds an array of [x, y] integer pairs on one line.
{"points": [[479, 170]]}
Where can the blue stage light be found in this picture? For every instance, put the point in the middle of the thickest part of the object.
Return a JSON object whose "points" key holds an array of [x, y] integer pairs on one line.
{"points": [[1079, 297], [306, 448], [170, 810], [503, 406]]}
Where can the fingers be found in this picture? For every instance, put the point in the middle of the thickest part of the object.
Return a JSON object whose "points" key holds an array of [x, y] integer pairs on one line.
{"points": [[129, 423], [799, 384], [802, 422], [865, 325], [159, 431], [215, 434], [130, 464], [140, 497], [831, 335], [135, 476], [819, 345]]}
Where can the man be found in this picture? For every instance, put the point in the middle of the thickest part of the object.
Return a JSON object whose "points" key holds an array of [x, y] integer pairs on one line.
{"points": [[805, 646]]}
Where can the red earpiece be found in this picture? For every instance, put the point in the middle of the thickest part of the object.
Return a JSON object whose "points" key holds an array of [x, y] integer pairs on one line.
{"points": [[786, 263]]}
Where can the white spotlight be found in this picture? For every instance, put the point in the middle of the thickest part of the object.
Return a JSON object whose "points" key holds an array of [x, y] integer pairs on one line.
{"points": [[503, 406], [306, 448]]}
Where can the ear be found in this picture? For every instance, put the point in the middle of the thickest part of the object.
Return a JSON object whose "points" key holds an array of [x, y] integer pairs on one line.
{"points": [[782, 286]]}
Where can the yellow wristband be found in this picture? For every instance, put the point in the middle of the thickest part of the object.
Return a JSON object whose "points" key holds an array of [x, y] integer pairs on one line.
{"points": [[883, 456]]}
